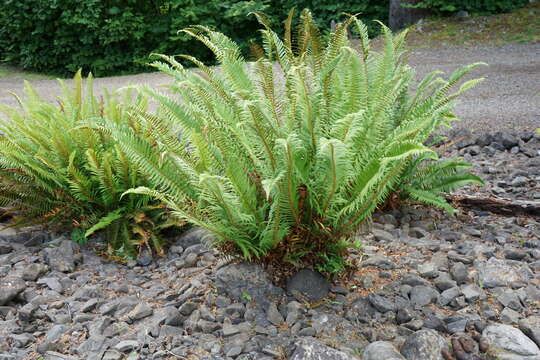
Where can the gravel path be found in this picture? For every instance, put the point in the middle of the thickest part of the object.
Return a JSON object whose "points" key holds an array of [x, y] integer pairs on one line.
{"points": [[509, 99]]}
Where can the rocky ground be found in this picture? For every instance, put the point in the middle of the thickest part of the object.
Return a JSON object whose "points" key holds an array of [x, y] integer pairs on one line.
{"points": [[428, 286]]}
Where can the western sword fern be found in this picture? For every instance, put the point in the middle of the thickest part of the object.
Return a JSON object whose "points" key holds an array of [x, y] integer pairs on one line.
{"points": [[288, 155], [55, 169]]}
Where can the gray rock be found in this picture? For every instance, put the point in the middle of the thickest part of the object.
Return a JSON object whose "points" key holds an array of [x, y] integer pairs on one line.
{"points": [[519, 181], [428, 270], [435, 323], [531, 327], [484, 139], [56, 333], [229, 329], [404, 316], [26, 312], [127, 345], [93, 345], [496, 273], [10, 287], [447, 296], [273, 315], [311, 349], [515, 254], [208, 327], [89, 305], [456, 326], [459, 273], [414, 280], [140, 311], [380, 350], [381, 303], [294, 311], [21, 340], [444, 282], [472, 292], [424, 345], [507, 140], [33, 271], [510, 343], [246, 282], [422, 295], [510, 299], [62, 258], [5, 248], [509, 316], [308, 331], [193, 236], [234, 351], [187, 308], [52, 283], [308, 284], [382, 235], [380, 261]]}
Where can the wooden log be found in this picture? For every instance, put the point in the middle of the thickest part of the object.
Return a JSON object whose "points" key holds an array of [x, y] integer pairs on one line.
{"points": [[499, 206]]}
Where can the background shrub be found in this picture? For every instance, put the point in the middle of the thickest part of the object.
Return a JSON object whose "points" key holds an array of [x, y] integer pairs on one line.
{"points": [[110, 37], [116, 36], [57, 169]]}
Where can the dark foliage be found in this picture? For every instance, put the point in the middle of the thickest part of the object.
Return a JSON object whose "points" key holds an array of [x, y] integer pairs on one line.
{"points": [[117, 36]]}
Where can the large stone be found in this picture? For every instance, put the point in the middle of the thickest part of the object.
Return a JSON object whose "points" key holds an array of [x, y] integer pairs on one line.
{"points": [[447, 296], [422, 295], [5, 247], [308, 284], [424, 345], [94, 345], [127, 345], [380, 350], [531, 327], [459, 273], [381, 303], [140, 311], [310, 349], [56, 333], [246, 282], [273, 315], [193, 236], [10, 287], [33, 271], [510, 343], [496, 272], [62, 258], [380, 261]]}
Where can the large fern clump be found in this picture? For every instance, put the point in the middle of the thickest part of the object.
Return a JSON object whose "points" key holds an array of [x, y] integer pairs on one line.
{"points": [[287, 156], [57, 170]]}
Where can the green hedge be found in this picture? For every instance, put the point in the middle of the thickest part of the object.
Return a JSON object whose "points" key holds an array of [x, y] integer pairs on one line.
{"points": [[116, 36]]}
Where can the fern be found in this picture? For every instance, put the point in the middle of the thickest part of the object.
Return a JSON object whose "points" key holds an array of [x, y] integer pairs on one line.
{"points": [[57, 169], [289, 155]]}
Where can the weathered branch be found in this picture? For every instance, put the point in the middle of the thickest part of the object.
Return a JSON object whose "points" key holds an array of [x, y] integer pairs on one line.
{"points": [[497, 206]]}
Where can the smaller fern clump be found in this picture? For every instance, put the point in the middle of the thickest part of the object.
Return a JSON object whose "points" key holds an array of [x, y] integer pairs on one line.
{"points": [[287, 156], [55, 169]]}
